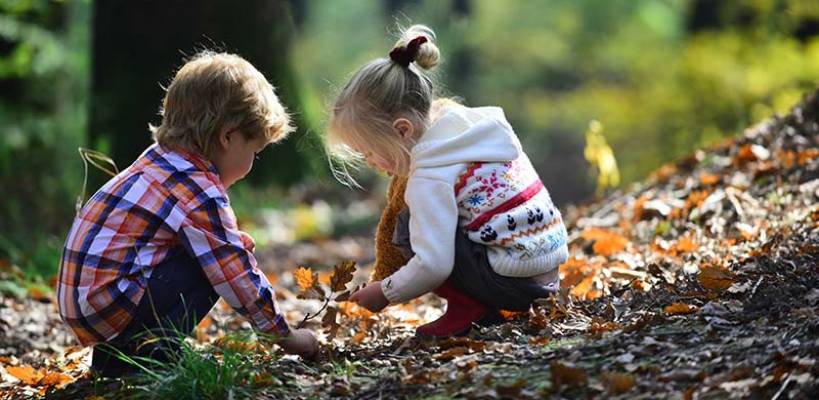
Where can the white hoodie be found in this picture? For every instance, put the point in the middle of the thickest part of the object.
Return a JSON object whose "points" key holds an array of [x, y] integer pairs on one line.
{"points": [[461, 145]]}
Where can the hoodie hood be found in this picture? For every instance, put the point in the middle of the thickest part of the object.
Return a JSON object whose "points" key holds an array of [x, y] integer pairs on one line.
{"points": [[464, 135]]}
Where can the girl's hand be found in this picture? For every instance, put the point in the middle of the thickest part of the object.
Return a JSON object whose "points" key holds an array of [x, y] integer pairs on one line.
{"points": [[371, 297], [247, 241], [301, 342]]}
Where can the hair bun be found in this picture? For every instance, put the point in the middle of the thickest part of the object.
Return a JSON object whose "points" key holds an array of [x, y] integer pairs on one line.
{"points": [[425, 56]]}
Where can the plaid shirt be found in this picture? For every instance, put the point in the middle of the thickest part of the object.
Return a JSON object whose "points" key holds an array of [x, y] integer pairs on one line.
{"points": [[165, 199]]}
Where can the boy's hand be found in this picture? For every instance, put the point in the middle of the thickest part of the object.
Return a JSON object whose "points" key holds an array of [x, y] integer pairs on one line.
{"points": [[301, 342], [247, 241], [371, 297]]}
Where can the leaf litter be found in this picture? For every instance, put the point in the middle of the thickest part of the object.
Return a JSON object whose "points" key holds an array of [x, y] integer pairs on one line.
{"points": [[700, 282]]}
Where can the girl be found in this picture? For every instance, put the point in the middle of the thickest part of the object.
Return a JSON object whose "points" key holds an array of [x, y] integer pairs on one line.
{"points": [[481, 229]]}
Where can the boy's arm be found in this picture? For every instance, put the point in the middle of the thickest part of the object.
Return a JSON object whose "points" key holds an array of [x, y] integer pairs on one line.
{"points": [[211, 235]]}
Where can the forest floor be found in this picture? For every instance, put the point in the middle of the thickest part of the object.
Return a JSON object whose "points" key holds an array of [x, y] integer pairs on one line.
{"points": [[700, 283]]}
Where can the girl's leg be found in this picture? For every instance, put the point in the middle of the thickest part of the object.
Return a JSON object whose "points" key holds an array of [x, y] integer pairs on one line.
{"points": [[473, 275], [178, 296]]}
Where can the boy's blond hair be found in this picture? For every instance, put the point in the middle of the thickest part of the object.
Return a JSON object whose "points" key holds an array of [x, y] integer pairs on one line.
{"points": [[214, 92], [377, 94]]}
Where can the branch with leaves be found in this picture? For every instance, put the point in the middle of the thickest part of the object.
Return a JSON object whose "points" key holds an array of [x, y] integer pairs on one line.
{"points": [[311, 288]]}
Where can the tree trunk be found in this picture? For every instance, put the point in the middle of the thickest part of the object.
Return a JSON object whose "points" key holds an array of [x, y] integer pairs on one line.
{"points": [[138, 46]]}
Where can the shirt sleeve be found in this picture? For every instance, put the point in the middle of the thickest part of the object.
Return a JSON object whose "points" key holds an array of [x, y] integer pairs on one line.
{"points": [[211, 235], [433, 226]]}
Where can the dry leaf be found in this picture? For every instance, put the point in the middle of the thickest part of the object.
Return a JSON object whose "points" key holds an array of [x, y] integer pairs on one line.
{"points": [[807, 156], [56, 379], [568, 375], [305, 278], [342, 274], [681, 308], [600, 325], [27, 374], [343, 296], [538, 320], [329, 322], [539, 340], [510, 315], [359, 337], [707, 179], [606, 242], [715, 278], [452, 353], [685, 245], [585, 289], [618, 382], [663, 173]]}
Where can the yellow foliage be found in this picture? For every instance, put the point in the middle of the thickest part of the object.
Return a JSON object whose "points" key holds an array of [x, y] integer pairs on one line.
{"points": [[601, 157]]}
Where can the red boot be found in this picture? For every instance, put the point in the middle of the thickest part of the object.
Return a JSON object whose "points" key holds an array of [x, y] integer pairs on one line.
{"points": [[461, 312]]}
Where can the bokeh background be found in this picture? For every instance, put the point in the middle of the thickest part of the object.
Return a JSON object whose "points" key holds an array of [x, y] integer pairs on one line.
{"points": [[662, 77]]}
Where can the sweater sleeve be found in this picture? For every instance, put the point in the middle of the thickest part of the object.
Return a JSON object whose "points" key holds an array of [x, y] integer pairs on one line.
{"points": [[433, 224]]}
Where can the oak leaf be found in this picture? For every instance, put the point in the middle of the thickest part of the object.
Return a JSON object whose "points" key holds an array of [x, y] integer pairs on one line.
{"points": [[27, 374], [342, 275], [714, 277], [305, 278]]}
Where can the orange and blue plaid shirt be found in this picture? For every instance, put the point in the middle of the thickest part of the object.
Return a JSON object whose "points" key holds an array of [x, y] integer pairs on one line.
{"points": [[163, 200]]}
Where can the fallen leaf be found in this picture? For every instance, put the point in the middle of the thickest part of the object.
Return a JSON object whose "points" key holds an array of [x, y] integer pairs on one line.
{"points": [[715, 278], [305, 278], [27, 374], [618, 382], [329, 322], [510, 315], [342, 274], [539, 340], [685, 245], [585, 290], [343, 296], [451, 353], [56, 379], [606, 242], [600, 325], [568, 375], [806, 156], [681, 308], [359, 337], [707, 179]]}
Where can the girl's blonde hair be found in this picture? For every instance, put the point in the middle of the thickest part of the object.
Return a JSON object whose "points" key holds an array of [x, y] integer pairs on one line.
{"points": [[377, 94], [217, 91]]}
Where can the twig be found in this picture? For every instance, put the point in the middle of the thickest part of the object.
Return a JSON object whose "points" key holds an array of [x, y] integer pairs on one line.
{"points": [[756, 286], [735, 202], [311, 316], [782, 389]]}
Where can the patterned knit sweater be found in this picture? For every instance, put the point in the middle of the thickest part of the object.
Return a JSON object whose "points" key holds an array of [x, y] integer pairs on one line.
{"points": [[468, 172], [506, 207]]}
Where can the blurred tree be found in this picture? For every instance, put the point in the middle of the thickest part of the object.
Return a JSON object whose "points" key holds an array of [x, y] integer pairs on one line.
{"points": [[43, 87], [137, 46]]}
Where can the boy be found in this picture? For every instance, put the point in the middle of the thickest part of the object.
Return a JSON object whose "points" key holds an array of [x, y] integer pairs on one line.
{"points": [[158, 244]]}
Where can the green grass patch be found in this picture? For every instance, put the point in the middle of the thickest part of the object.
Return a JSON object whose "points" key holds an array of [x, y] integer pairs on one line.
{"points": [[232, 369]]}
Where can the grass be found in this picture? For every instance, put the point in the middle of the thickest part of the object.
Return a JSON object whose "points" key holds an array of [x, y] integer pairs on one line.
{"points": [[232, 369]]}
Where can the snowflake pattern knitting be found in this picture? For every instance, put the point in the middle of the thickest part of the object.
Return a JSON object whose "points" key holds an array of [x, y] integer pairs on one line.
{"points": [[506, 207]]}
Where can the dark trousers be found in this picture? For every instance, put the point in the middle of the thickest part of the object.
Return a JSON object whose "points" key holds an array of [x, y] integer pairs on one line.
{"points": [[178, 296], [473, 274]]}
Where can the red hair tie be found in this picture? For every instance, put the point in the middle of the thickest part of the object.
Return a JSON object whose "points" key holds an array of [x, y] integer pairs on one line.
{"points": [[407, 54]]}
